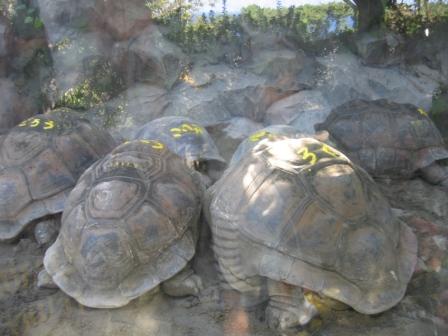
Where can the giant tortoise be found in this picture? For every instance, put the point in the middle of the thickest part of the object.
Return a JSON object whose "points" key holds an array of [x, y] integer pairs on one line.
{"points": [[130, 224], [297, 214], [388, 139], [189, 140], [40, 162]]}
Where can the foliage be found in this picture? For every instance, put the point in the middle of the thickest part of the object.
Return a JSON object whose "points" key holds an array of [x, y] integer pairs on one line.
{"points": [[204, 33], [24, 17], [102, 83], [412, 20]]}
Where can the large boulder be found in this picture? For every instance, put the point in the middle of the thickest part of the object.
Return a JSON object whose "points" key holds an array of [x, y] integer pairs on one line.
{"points": [[286, 69], [134, 107], [150, 58], [123, 19], [301, 110], [5, 44], [14, 107], [229, 134], [379, 48], [344, 78], [120, 19], [224, 93]]}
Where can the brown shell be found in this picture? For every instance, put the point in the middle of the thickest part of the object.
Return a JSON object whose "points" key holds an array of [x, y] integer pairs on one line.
{"points": [[40, 161], [298, 211], [129, 224], [386, 138]]}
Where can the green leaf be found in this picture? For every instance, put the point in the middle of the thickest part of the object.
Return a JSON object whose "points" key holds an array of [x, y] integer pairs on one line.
{"points": [[29, 19]]}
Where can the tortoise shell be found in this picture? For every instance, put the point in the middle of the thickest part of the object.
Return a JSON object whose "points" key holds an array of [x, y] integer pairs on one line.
{"points": [[386, 138], [40, 161], [185, 137], [270, 132], [129, 224], [300, 212]]}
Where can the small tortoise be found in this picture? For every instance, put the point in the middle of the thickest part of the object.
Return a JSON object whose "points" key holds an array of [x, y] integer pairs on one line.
{"points": [[129, 225], [40, 162], [189, 140], [389, 139], [296, 213], [270, 132]]}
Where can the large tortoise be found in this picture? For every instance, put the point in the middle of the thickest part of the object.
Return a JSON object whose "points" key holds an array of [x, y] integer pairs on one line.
{"points": [[130, 224], [189, 140], [40, 162], [389, 139], [297, 213]]}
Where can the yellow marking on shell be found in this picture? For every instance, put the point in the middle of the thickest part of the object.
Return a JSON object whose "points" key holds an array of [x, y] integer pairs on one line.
{"points": [[422, 112], [178, 132], [35, 122], [48, 124], [125, 164], [307, 155], [257, 136], [23, 123], [154, 143], [327, 149]]}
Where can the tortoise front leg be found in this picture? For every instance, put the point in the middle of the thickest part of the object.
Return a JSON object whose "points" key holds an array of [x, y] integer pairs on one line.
{"points": [[184, 283], [436, 174], [287, 308]]}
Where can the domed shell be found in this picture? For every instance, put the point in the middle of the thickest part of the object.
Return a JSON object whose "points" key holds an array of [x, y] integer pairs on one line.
{"points": [[185, 137], [301, 213], [270, 132], [40, 161], [386, 138], [130, 223]]}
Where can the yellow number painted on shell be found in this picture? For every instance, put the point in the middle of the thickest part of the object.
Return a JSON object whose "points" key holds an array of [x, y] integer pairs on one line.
{"points": [[48, 125], [177, 132], [327, 149], [257, 136], [422, 112], [35, 122], [307, 155], [154, 144], [23, 123]]}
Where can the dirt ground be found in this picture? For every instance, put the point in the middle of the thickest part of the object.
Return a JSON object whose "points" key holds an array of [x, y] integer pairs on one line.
{"points": [[27, 310]]}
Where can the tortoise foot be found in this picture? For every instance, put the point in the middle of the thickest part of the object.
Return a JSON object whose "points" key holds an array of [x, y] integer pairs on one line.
{"points": [[184, 283]]}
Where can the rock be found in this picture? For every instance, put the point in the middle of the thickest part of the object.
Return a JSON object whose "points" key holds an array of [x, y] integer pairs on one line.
{"points": [[134, 107], [82, 66], [380, 49], [150, 58], [231, 93], [418, 195], [44, 280], [344, 78], [5, 44], [301, 110], [442, 58], [282, 67], [14, 106], [123, 19], [228, 135], [65, 19]]}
